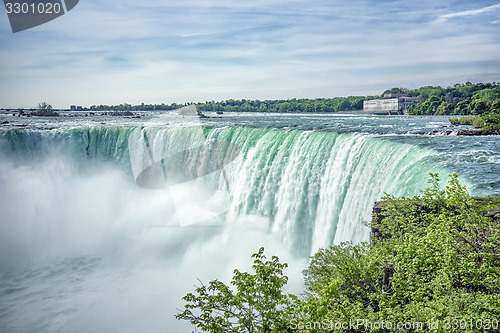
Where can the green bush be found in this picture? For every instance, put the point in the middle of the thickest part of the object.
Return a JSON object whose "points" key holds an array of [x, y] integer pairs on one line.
{"points": [[488, 121], [478, 122], [466, 120], [258, 303], [435, 257], [491, 121]]}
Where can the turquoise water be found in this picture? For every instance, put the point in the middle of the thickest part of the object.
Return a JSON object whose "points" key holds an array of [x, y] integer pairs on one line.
{"points": [[476, 159], [86, 246]]}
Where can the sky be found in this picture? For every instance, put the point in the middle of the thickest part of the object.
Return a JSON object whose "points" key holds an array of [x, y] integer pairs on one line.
{"points": [[166, 51]]}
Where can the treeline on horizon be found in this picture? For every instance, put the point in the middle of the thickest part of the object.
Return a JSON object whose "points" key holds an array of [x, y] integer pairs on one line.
{"points": [[459, 99], [336, 104]]}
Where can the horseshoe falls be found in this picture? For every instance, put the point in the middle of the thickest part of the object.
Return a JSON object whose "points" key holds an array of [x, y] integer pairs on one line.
{"points": [[106, 225], [314, 188]]}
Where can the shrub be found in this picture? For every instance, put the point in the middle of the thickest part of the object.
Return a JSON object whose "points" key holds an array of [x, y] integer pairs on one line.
{"points": [[258, 304], [478, 122], [436, 258], [466, 120], [491, 121]]}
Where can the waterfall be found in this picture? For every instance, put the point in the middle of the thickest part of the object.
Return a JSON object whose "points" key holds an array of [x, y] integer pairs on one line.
{"points": [[313, 188], [87, 236]]}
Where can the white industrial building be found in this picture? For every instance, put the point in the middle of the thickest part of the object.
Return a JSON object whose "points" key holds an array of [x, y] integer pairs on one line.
{"points": [[391, 103]]}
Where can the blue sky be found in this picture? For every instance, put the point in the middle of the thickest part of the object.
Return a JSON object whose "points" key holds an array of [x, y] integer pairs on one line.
{"points": [[116, 51]]}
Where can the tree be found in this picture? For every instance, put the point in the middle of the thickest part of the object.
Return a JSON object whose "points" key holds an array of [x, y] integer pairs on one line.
{"points": [[257, 305], [44, 110], [341, 275], [490, 121], [44, 107], [444, 108], [395, 91], [463, 107], [357, 104], [344, 105], [479, 105], [495, 107]]}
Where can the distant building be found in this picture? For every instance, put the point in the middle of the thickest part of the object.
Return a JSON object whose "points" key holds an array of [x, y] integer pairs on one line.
{"points": [[76, 108], [391, 103]]}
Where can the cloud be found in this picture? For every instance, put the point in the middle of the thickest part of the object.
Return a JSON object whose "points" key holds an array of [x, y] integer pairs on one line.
{"points": [[178, 51], [445, 17]]}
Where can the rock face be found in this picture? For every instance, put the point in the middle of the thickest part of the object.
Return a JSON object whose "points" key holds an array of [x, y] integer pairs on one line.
{"points": [[450, 130], [440, 132], [495, 213], [472, 132], [377, 217]]}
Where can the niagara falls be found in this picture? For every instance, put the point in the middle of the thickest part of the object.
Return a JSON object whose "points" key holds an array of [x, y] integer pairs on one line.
{"points": [[216, 166], [84, 247]]}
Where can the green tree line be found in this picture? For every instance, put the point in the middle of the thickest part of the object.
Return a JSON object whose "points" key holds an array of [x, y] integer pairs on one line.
{"points": [[318, 105], [459, 99]]}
